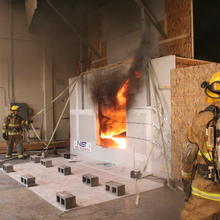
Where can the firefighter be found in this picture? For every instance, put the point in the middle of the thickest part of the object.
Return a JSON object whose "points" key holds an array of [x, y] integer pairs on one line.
{"points": [[201, 159], [12, 132]]}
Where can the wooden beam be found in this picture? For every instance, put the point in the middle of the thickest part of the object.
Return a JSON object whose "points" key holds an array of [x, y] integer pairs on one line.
{"points": [[174, 38], [185, 62], [36, 146]]}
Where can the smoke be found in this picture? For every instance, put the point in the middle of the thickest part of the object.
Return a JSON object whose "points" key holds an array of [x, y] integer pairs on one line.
{"points": [[138, 70], [104, 87]]}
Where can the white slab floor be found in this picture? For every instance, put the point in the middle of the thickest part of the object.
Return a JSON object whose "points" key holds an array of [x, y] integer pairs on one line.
{"points": [[49, 181]]}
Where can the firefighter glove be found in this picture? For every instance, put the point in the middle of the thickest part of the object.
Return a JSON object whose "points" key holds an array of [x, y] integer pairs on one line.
{"points": [[5, 136]]}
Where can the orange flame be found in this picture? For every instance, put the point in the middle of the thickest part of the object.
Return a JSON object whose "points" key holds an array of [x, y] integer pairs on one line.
{"points": [[137, 74], [113, 122], [121, 94]]}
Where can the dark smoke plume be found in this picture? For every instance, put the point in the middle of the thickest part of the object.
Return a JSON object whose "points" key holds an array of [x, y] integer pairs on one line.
{"points": [[104, 88], [137, 71]]}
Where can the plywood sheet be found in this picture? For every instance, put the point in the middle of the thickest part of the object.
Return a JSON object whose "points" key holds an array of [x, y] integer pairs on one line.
{"points": [[187, 99], [178, 24], [186, 62], [178, 16], [180, 47]]}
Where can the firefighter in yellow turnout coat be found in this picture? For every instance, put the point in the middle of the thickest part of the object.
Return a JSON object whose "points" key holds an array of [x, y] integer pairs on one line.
{"points": [[12, 132], [201, 159]]}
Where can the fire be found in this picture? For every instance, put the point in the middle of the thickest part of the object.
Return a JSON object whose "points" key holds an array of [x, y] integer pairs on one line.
{"points": [[137, 74], [112, 120], [121, 94], [120, 142]]}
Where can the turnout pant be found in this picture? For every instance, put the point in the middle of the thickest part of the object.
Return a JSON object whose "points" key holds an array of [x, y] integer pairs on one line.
{"points": [[16, 140], [198, 208]]}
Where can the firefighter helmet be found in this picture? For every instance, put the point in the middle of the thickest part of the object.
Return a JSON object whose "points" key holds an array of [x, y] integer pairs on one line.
{"points": [[212, 89], [14, 108]]}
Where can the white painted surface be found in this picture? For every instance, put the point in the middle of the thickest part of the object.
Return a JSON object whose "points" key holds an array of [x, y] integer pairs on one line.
{"points": [[162, 67], [139, 132], [143, 140], [49, 181]]}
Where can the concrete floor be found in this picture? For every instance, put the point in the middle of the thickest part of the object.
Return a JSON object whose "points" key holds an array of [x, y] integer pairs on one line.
{"points": [[49, 181], [19, 203]]}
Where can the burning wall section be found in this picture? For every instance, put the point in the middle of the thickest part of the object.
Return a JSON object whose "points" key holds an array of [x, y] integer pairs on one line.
{"points": [[85, 123], [112, 93], [139, 120], [111, 119]]}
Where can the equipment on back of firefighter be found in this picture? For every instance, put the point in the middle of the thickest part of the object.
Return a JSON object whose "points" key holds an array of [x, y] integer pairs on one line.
{"points": [[210, 170], [212, 88]]}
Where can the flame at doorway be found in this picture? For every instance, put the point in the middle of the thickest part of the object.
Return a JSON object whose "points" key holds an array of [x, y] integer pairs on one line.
{"points": [[112, 119]]}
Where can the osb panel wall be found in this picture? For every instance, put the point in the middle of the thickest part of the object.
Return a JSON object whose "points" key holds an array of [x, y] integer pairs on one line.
{"points": [[178, 15], [187, 99], [181, 47], [178, 26], [94, 39], [186, 62]]}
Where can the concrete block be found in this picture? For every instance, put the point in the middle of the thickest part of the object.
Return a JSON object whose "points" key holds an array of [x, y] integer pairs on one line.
{"points": [[65, 170], [67, 155], [7, 167], [66, 200], [35, 158], [115, 188], [46, 162], [135, 174], [90, 180], [28, 180], [1, 163]]}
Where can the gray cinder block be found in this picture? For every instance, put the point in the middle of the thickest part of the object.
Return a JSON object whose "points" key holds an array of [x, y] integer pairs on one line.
{"points": [[35, 158], [135, 174], [66, 200], [28, 180], [65, 170], [7, 167], [67, 155], [90, 180], [46, 162], [1, 163], [115, 188]]}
